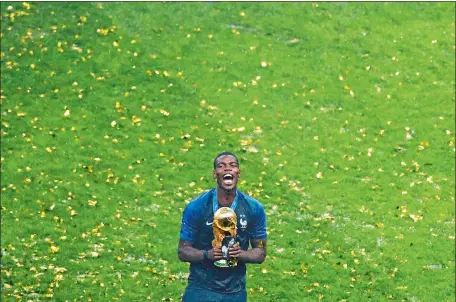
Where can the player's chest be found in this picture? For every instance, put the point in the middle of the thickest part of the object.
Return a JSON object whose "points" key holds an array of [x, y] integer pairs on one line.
{"points": [[242, 222]]}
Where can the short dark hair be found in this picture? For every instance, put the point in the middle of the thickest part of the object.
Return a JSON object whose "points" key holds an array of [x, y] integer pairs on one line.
{"points": [[223, 154]]}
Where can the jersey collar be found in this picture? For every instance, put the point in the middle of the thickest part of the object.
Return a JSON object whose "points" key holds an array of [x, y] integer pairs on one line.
{"points": [[215, 204]]}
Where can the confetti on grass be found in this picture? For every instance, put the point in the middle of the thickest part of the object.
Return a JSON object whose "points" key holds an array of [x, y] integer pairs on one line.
{"points": [[111, 117]]}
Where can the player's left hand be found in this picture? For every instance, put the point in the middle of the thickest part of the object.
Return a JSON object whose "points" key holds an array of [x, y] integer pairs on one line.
{"points": [[235, 251]]}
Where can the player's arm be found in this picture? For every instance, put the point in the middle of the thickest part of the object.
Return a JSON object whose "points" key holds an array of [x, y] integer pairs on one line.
{"points": [[257, 254], [187, 253]]}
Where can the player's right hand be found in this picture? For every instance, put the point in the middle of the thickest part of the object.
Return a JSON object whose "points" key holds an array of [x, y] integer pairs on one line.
{"points": [[215, 253]]}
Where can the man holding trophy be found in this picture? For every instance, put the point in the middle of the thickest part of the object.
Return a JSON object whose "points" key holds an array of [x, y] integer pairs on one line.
{"points": [[217, 228]]}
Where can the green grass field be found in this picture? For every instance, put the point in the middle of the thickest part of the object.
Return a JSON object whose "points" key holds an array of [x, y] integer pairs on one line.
{"points": [[342, 114]]}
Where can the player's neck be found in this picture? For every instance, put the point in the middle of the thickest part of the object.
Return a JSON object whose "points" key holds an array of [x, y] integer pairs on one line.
{"points": [[225, 198]]}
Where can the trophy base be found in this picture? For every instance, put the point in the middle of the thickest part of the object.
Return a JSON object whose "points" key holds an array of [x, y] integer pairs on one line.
{"points": [[225, 263]]}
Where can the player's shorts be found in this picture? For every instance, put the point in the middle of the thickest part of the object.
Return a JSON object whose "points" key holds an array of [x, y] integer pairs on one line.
{"points": [[197, 294]]}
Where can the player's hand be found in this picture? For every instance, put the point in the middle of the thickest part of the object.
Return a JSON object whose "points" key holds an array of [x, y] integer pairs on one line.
{"points": [[235, 251], [215, 253]]}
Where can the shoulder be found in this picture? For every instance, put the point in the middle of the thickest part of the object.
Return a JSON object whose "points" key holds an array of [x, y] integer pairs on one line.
{"points": [[200, 202], [254, 205]]}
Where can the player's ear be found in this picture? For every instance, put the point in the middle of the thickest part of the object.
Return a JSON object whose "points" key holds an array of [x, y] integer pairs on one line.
{"points": [[214, 176]]}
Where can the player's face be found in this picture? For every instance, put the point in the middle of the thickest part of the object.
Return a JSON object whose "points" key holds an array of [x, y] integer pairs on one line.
{"points": [[227, 172]]}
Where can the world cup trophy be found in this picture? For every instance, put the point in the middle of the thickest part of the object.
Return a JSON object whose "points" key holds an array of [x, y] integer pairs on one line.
{"points": [[224, 228]]}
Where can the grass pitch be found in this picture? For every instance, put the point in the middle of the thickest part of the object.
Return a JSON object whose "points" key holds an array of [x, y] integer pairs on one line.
{"points": [[342, 115]]}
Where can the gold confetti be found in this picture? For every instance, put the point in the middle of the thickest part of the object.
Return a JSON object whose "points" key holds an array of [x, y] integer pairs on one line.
{"points": [[54, 249]]}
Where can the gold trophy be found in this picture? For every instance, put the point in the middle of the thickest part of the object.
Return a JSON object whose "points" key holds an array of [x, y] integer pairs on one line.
{"points": [[224, 227]]}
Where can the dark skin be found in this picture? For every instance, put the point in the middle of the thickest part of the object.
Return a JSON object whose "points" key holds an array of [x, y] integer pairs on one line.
{"points": [[226, 192]]}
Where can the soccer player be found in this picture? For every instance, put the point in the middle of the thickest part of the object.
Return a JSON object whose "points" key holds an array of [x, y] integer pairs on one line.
{"points": [[206, 281]]}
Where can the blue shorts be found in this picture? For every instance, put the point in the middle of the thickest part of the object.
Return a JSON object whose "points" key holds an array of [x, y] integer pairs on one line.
{"points": [[197, 294]]}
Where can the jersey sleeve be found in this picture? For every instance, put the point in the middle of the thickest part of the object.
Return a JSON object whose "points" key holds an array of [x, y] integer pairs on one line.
{"points": [[189, 227], [259, 224]]}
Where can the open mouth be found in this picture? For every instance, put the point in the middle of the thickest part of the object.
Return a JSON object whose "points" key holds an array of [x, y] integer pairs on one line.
{"points": [[228, 179]]}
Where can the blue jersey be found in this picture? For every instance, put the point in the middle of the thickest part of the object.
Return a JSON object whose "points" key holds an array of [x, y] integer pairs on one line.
{"points": [[197, 228]]}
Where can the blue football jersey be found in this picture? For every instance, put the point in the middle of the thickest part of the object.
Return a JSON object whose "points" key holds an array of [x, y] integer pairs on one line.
{"points": [[197, 228]]}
